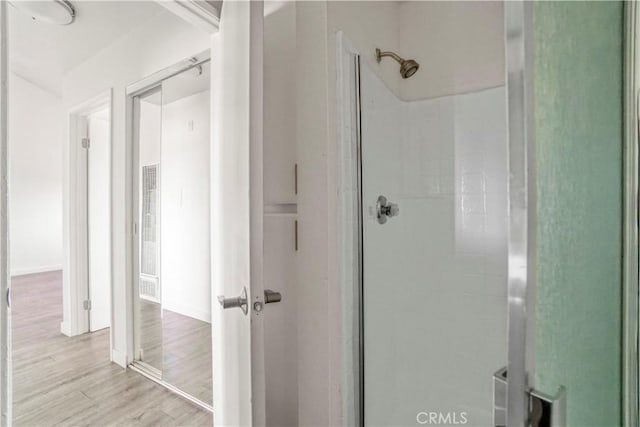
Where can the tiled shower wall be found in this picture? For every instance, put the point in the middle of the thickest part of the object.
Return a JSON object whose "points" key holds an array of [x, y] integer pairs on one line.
{"points": [[435, 276]]}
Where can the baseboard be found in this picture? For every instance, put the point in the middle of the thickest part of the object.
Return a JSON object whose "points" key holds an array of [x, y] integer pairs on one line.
{"points": [[34, 270], [64, 328], [203, 315], [119, 358]]}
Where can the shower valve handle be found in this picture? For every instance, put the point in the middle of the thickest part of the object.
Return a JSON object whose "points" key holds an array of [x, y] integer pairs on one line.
{"points": [[386, 209]]}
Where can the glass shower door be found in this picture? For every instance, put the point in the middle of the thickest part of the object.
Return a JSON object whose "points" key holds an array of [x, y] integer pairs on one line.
{"points": [[434, 202]]}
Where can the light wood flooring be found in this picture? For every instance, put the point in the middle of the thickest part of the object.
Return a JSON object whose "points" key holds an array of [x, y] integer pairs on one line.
{"points": [[178, 346], [65, 381]]}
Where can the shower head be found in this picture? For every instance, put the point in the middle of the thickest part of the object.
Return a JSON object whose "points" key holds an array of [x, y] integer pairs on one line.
{"points": [[408, 67]]}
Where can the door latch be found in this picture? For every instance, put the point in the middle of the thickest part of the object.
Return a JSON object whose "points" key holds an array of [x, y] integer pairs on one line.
{"points": [[239, 302]]}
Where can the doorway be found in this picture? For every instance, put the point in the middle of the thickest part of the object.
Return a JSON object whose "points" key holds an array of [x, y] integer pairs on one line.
{"points": [[90, 138], [172, 291], [99, 218]]}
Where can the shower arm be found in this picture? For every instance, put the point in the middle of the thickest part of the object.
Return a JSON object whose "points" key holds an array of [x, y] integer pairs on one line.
{"points": [[380, 55]]}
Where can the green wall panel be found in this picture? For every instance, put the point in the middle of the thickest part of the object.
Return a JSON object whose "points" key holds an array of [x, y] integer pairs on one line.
{"points": [[578, 129]]}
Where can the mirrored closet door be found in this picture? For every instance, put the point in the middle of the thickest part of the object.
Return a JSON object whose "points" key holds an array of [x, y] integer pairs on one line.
{"points": [[172, 307]]}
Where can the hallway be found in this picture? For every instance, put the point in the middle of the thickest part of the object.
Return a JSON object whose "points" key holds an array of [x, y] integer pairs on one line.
{"points": [[59, 380]]}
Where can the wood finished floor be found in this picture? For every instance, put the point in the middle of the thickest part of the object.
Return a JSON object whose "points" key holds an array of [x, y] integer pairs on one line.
{"points": [[180, 347], [62, 381]]}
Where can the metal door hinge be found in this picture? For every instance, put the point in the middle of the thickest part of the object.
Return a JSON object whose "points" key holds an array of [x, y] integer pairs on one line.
{"points": [[86, 142], [544, 410], [87, 304]]}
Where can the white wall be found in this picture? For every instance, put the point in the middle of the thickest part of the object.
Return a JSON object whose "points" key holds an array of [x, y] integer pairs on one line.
{"points": [[153, 46], [279, 102], [35, 146], [459, 45], [319, 377], [280, 329], [184, 200]]}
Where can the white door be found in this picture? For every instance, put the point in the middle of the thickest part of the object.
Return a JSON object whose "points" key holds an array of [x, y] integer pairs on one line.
{"points": [[99, 219], [236, 216], [5, 310]]}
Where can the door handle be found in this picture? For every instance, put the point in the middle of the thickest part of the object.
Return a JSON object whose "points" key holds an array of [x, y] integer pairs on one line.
{"points": [[271, 296], [240, 302]]}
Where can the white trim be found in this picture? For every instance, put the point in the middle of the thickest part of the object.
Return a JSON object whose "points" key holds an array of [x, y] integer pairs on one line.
{"points": [[35, 270], [119, 358], [201, 14], [188, 311], [5, 281], [64, 328], [348, 224], [256, 210]]}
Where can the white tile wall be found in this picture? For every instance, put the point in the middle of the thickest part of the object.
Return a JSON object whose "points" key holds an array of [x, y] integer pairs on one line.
{"points": [[435, 277]]}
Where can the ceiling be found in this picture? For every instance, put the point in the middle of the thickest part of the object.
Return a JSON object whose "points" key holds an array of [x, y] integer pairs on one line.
{"points": [[41, 53]]}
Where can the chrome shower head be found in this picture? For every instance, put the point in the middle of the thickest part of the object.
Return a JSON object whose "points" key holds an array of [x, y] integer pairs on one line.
{"points": [[408, 67]]}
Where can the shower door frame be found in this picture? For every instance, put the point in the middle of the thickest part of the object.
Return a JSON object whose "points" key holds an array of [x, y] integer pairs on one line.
{"points": [[630, 232], [518, 39], [133, 93]]}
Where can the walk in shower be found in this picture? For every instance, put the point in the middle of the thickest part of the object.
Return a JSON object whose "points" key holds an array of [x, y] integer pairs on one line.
{"points": [[172, 292], [424, 187], [434, 262]]}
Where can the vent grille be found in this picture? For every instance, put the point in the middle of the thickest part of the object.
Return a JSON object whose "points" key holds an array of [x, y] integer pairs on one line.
{"points": [[149, 232], [149, 288]]}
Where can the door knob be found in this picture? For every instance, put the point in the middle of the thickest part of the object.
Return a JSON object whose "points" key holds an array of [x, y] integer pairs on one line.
{"points": [[271, 296], [386, 209], [240, 302]]}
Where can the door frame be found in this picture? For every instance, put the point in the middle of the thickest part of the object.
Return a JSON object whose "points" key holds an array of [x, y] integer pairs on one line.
{"points": [[196, 16], [630, 278], [6, 400], [522, 217], [75, 218]]}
